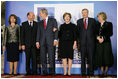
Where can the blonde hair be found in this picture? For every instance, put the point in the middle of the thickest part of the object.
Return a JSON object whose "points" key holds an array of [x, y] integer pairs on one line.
{"points": [[103, 15]]}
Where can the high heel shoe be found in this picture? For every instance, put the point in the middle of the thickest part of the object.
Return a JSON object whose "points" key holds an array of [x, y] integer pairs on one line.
{"points": [[69, 74], [105, 75], [102, 75], [64, 74]]}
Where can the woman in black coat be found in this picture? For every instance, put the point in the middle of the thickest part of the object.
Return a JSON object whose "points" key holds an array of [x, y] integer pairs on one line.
{"points": [[67, 42], [103, 55]]}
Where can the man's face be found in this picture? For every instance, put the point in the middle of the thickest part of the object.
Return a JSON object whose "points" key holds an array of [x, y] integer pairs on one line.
{"points": [[31, 16], [85, 13], [42, 15]]}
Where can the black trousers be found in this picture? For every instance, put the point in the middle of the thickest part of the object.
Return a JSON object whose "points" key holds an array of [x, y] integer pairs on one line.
{"points": [[87, 52], [44, 50], [31, 54]]}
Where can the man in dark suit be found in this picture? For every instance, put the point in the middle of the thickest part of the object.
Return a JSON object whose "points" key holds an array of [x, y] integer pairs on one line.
{"points": [[86, 29], [47, 40], [28, 41]]}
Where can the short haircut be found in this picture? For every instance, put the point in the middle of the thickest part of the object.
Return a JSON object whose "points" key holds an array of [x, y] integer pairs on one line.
{"points": [[13, 15], [28, 13], [103, 15], [44, 11], [85, 9], [67, 14]]}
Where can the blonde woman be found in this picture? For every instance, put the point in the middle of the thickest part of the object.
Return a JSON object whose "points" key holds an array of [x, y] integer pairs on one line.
{"points": [[103, 55]]}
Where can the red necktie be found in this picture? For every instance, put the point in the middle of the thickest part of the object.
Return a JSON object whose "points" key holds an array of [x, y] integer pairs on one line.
{"points": [[85, 23], [45, 23]]}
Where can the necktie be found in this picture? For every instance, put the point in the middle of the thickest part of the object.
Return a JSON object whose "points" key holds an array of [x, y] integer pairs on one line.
{"points": [[85, 24], [45, 23], [31, 24]]}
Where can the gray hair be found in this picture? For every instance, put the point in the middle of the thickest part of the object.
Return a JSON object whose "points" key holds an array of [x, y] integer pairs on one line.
{"points": [[85, 9], [44, 11]]}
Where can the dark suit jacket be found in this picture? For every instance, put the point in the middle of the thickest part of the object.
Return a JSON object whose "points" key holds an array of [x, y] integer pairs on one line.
{"points": [[47, 34], [106, 31], [87, 36], [28, 34]]}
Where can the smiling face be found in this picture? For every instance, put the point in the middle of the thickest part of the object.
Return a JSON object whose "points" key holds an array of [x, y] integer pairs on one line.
{"points": [[85, 13], [12, 19], [100, 19], [67, 18], [42, 15], [31, 16]]}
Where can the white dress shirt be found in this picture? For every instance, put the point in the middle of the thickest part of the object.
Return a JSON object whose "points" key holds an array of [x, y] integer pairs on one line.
{"points": [[31, 22]]}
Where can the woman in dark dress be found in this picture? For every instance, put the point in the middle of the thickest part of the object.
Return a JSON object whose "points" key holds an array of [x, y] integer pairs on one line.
{"points": [[103, 56], [12, 43], [67, 42]]}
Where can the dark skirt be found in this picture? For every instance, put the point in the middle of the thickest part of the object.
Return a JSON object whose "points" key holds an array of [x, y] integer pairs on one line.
{"points": [[66, 49], [12, 52], [103, 55]]}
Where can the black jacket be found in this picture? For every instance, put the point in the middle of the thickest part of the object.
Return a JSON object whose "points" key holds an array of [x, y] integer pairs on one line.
{"points": [[106, 31], [28, 34], [67, 32], [87, 36]]}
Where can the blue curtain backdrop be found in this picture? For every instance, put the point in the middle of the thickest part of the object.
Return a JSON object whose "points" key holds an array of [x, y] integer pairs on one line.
{"points": [[21, 8]]}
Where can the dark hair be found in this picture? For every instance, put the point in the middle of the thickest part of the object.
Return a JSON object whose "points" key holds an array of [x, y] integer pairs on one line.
{"points": [[14, 17], [67, 14], [28, 13]]}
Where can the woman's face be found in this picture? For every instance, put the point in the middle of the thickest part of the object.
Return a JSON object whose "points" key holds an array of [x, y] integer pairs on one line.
{"points": [[100, 19], [12, 19], [67, 18]]}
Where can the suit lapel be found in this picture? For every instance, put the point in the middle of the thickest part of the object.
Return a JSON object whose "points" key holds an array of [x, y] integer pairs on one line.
{"points": [[27, 23], [42, 24], [88, 23], [104, 24], [82, 24]]}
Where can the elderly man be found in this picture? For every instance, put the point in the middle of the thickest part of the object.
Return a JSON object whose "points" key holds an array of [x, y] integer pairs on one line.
{"points": [[28, 42], [86, 29]]}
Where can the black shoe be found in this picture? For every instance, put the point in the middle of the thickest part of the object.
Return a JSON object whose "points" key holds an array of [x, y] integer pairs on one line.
{"points": [[53, 74], [65, 75], [15, 74], [69, 75], [10, 74], [91, 74], [105, 75], [27, 74], [35, 74], [102, 75], [44, 73], [83, 74]]}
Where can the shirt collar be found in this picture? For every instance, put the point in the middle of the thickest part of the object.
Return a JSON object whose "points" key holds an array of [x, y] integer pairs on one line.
{"points": [[102, 23], [86, 18], [30, 21], [46, 18]]}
